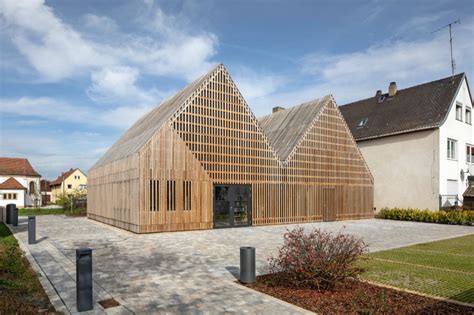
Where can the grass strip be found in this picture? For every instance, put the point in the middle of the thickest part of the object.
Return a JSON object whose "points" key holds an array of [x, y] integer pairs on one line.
{"points": [[443, 268], [36, 211]]}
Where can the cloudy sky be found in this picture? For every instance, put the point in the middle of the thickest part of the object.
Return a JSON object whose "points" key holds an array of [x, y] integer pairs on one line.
{"points": [[76, 74]]}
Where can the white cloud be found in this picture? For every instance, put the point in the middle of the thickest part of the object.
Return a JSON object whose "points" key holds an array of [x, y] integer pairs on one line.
{"points": [[57, 51], [359, 74], [119, 85], [100, 23], [257, 85], [52, 48], [49, 109], [52, 152]]}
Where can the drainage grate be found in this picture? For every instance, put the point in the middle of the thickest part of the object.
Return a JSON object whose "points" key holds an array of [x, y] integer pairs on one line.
{"points": [[109, 303]]}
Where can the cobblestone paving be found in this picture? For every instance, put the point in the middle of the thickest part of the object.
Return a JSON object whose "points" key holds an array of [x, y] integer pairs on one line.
{"points": [[186, 272]]}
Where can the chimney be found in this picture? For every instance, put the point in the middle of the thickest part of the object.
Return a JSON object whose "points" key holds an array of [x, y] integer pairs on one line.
{"points": [[379, 92], [392, 89], [277, 109]]}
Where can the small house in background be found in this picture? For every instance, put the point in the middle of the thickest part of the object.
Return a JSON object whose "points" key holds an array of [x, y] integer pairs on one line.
{"points": [[417, 141], [45, 190], [19, 183], [67, 183]]}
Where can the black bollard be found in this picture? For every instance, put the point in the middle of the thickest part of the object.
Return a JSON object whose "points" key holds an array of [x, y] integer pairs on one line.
{"points": [[31, 229], [247, 264], [10, 207], [84, 279], [14, 217]]}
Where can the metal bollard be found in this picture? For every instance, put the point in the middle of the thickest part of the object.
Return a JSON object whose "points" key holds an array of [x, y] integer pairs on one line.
{"points": [[84, 279], [31, 229], [14, 218], [247, 264], [9, 209]]}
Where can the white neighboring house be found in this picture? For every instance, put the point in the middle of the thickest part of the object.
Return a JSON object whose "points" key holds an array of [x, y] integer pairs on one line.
{"points": [[19, 183], [418, 142]]}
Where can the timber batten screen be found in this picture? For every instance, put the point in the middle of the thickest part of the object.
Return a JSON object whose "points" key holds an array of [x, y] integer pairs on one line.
{"points": [[210, 136]]}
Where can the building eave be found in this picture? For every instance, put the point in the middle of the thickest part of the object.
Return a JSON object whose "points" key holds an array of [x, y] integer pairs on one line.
{"points": [[424, 128]]}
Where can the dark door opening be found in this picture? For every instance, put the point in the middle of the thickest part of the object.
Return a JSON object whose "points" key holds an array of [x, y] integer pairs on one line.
{"points": [[329, 204], [232, 205]]}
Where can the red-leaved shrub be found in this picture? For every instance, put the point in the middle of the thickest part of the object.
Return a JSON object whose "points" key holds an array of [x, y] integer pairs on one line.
{"points": [[318, 260]]}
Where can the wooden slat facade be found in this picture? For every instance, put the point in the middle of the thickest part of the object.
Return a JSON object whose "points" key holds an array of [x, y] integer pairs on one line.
{"points": [[214, 138]]}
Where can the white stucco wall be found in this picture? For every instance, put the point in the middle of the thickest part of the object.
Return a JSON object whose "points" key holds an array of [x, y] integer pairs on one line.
{"points": [[464, 134], [25, 181], [405, 169], [19, 201]]}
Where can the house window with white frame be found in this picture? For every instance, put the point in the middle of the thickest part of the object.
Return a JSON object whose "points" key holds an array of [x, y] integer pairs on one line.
{"points": [[452, 148], [469, 153], [459, 111], [468, 115]]}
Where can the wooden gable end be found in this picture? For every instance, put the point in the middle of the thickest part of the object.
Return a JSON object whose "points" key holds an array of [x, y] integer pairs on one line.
{"points": [[223, 134], [175, 190]]}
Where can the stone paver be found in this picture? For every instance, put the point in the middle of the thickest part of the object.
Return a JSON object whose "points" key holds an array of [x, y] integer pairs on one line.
{"points": [[187, 272]]}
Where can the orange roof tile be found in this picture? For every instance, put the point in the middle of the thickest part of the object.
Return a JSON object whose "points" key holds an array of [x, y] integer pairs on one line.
{"points": [[11, 183], [16, 166]]}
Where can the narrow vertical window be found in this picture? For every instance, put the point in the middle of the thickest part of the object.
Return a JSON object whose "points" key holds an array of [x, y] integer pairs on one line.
{"points": [[154, 194], [469, 153], [452, 148], [468, 115], [150, 194], [459, 111], [187, 195], [171, 195]]}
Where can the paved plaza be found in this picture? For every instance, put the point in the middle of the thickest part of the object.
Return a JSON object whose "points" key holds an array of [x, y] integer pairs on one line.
{"points": [[184, 272]]}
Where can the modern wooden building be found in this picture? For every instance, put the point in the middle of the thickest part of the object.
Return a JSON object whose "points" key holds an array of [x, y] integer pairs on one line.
{"points": [[202, 160]]}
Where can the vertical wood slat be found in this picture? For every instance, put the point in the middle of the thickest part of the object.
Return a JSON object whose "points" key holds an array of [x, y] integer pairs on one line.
{"points": [[215, 138]]}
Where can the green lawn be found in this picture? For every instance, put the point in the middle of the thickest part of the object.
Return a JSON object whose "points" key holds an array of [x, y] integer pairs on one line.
{"points": [[35, 211], [444, 268]]}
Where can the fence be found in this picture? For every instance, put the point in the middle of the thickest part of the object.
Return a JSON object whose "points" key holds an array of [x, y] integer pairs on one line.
{"points": [[449, 202]]}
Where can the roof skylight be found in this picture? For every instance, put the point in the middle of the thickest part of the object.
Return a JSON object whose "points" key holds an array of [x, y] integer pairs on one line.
{"points": [[363, 122]]}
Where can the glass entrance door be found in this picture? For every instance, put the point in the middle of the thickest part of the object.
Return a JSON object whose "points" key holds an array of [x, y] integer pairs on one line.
{"points": [[232, 206]]}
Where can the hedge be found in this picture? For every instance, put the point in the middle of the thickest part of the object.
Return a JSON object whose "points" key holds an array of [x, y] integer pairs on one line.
{"points": [[443, 217]]}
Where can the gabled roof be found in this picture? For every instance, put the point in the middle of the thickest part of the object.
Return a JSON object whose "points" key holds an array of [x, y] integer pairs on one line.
{"points": [[17, 166], [285, 128], [420, 107], [11, 183], [63, 177], [140, 132]]}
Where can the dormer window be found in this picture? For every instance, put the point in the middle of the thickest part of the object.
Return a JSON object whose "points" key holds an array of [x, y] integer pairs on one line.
{"points": [[363, 122], [459, 111]]}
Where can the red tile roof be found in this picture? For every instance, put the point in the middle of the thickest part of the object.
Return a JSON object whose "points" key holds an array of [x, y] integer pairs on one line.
{"points": [[16, 166], [11, 183], [62, 177]]}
